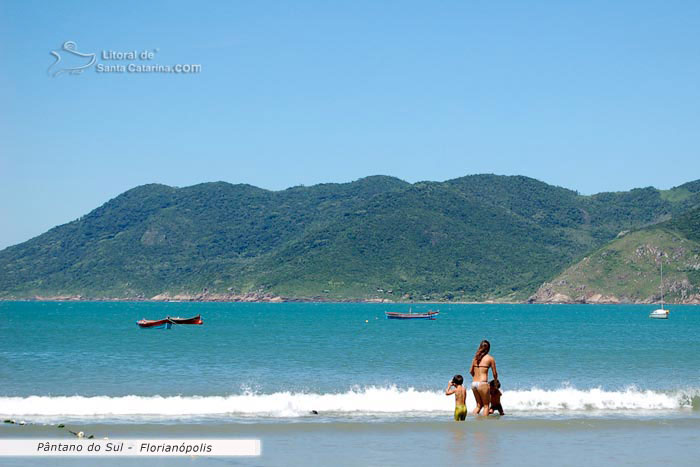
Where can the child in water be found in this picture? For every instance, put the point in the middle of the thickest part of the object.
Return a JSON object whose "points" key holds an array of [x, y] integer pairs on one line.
{"points": [[455, 386], [495, 391]]}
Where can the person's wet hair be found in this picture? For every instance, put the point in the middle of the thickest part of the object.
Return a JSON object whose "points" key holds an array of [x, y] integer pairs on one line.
{"points": [[495, 384], [458, 380], [483, 349]]}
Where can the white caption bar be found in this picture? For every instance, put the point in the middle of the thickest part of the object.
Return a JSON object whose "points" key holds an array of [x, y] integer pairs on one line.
{"points": [[129, 447]]}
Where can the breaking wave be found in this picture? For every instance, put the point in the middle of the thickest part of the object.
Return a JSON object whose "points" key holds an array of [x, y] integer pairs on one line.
{"points": [[355, 402]]}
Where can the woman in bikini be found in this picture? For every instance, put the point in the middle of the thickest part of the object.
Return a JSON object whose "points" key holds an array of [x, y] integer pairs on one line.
{"points": [[480, 372]]}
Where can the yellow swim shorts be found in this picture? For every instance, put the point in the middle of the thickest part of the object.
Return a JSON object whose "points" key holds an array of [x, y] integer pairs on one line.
{"points": [[460, 413]]}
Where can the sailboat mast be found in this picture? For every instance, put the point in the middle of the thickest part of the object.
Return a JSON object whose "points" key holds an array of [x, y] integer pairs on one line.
{"points": [[662, 283]]}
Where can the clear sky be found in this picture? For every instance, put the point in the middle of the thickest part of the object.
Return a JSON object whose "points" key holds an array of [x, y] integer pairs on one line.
{"points": [[594, 96]]}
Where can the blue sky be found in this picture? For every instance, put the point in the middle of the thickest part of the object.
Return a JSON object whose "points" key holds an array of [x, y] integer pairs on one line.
{"points": [[594, 96]]}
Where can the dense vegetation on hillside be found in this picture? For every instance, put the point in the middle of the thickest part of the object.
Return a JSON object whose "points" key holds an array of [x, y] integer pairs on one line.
{"points": [[688, 224], [628, 268], [471, 238]]}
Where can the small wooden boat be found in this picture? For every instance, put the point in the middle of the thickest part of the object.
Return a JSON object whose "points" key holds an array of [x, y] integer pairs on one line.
{"points": [[155, 323], [430, 314], [194, 320]]}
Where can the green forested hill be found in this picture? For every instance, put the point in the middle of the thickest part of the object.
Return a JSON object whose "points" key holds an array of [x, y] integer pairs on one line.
{"points": [[628, 268], [472, 238]]}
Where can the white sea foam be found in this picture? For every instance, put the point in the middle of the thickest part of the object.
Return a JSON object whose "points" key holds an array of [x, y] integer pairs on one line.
{"points": [[369, 400], [571, 399]]}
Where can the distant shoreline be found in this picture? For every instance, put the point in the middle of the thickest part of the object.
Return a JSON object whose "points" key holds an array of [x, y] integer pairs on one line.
{"points": [[280, 299], [275, 299]]}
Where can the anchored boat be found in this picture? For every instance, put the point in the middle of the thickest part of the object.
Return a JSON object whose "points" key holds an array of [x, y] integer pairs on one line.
{"points": [[430, 314], [660, 313], [168, 322], [194, 320], [155, 323]]}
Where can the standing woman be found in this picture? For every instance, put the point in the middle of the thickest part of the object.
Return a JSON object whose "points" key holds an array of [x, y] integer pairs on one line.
{"points": [[480, 372]]}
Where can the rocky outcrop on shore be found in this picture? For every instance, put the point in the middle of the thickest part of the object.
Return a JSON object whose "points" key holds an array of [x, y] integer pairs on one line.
{"points": [[218, 297], [167, 297], [58, 298], [250, 297], [548, 294]]}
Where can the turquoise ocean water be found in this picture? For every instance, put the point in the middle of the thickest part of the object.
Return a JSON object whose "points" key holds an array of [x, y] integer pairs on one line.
{"points": [[572, 372]]}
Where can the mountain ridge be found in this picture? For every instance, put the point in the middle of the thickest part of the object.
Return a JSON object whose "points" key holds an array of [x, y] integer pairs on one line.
{"points": [[472, 238]]}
